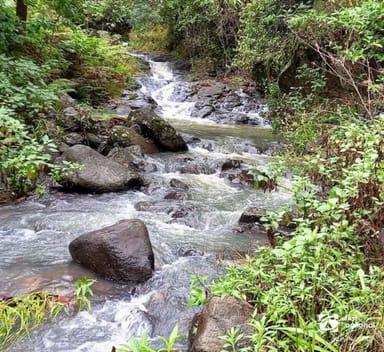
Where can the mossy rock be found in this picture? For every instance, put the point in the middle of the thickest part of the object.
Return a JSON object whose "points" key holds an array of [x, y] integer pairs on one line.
{"points": [[152, 126]]}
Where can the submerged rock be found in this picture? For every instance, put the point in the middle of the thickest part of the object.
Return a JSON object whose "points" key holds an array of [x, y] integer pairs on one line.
{"points": [[216, 319], [157, 129], [121, 252], [98, 173]]}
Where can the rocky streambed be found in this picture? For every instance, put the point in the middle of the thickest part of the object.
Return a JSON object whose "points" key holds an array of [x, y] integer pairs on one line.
{"points": [[174, 155]]}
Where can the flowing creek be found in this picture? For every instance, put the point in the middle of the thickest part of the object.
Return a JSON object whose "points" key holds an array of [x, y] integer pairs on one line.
{"points": [[34, 235]]}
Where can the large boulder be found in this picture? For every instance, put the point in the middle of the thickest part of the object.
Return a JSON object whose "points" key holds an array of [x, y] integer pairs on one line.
{"points": [[121, 252], [157, 129], [122, 136], [216, 319], [98, 173]]}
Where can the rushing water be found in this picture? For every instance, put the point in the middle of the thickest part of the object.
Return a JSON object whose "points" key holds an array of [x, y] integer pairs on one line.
{"points": [[34, 235]]}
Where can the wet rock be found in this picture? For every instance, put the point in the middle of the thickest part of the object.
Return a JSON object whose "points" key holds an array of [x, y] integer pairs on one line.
{"points": [[99, 173], [175, 183], [211, 89], [216, 319], [243, 178], [73, 138], [191, 139], [188, 252], [123, 156], [70, 119], [121, 136], [123, 109], [121, 252], [175, 196], [231, 164], [231, 118], [177, 213], [252, 215], [157, 129], [231, 101], [142, 102], [203, 112], [145, 166], [93, 140], [143, 206], [62, 147], [239, 176], [187, 165]]}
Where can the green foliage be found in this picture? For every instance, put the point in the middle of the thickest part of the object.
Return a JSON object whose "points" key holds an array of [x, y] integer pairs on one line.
{"points": [[23, 157], [203, 28], [83, 291], [143, 344], [23, 88], [265, 40], [349, 39], [8, 28], [232, 339], [198, 291], [327, 269], [20, 315], [99, 70]]}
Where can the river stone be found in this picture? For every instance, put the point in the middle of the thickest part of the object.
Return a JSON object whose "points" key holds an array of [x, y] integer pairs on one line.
{"points": [[121, 252], [70, 119], [175, 196], [99, 173], [203, 112], [175, 183], [73, 138], [252, 215], [211, 89], [157, 129], [93, 140], [216, 319], [122, 136]]}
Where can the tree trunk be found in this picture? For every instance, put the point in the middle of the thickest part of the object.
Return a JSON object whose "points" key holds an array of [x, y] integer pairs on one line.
{"points": [[22, 11]]}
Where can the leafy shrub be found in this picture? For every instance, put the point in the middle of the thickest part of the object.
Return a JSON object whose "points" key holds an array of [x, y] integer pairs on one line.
{"points": [[8, 28], [23, 88], [100, 70], [265, 40], [203, 28], [330, 266], [23, 157], [350, 40]]}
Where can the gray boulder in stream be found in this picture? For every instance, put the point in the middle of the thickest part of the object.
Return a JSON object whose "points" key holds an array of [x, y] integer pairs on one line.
{"points": [[98, 173], [152, 126], [121, 252]]}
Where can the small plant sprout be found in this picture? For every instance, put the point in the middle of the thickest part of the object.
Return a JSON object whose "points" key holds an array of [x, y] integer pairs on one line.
{"points": [[83, 291]]}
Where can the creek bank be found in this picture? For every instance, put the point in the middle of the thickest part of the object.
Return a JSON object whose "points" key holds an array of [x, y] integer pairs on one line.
{"points": [[124, 142]]}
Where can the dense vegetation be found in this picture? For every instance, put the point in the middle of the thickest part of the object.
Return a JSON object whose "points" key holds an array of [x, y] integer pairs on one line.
{"points": [[320, 63]]}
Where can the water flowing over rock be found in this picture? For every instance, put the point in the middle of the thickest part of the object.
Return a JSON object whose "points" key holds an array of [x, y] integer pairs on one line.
{"points": [[216, 319], [121, 252], [160, 131], [99, 174]]}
